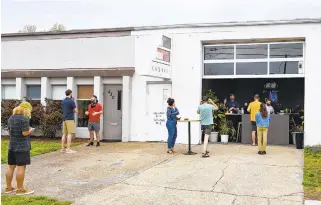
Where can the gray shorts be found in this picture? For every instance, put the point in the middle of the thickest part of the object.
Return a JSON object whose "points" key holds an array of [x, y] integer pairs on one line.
{"points": [[94, 126], [207, 129]]}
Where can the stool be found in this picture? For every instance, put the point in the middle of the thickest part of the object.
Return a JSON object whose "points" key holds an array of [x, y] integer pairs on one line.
{"points": [[238, 131]]}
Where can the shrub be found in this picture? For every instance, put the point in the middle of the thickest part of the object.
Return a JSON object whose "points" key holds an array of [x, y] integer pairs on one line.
{"points": [[7, 107], [50, 124], [37, 112]]}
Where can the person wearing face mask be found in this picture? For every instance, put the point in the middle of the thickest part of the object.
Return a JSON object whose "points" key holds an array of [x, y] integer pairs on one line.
{"points": [[94, 111], [269, 107]]}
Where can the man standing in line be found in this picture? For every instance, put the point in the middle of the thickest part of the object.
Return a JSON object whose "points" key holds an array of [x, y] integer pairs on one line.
{"points": [[206, 110], [253, 108], [94, 111], [68, 109]]}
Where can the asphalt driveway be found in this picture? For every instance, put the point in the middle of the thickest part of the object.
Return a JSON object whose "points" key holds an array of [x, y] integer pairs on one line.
{"points": [[142, 173]]}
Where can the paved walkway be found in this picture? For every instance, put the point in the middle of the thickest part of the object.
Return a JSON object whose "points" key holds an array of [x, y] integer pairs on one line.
{"points": [[141, 173]]}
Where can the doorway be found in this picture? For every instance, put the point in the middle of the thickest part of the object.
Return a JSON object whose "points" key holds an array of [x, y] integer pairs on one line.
{"points": [[157, 95], [112, 113]]}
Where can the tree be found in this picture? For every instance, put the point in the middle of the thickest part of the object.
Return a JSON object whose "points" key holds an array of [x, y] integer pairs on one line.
{"points": [[58, 27], [28, 29]]}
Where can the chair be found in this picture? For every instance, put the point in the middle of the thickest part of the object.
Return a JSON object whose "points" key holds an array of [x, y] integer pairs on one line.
{"points": [[239, 127]]}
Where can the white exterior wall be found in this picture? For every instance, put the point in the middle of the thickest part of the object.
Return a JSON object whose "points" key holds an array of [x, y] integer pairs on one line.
{"points": [[101, 52], [187, 72]]}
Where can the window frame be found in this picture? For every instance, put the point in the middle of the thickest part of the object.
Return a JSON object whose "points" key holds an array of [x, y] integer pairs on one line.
{"points": [[268, 60]]}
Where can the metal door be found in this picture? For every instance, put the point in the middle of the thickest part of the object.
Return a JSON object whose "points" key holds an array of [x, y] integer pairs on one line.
{"points": [[112, 112], [157, 95]]}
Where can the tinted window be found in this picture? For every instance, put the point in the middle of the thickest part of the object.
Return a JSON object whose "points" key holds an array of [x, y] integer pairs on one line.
{"points": [[259, 68], [34, 91], [251, 51], [119, 96], [219, 69], [166, 42], [290, 67], [218, 52], [290, 50]]}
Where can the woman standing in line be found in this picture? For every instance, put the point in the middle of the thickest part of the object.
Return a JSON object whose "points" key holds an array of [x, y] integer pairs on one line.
{"points": [[19, 148], [171, 123], [262, 123]]}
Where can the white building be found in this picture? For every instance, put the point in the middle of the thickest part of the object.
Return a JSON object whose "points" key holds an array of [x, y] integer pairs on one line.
{"points": [[135, 70]]}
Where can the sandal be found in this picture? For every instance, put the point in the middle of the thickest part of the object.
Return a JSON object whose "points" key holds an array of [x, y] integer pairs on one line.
{"points": [[170, 152]]}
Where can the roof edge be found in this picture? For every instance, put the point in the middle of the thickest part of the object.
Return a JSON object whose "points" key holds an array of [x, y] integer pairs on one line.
{"points": [[174, 26]]}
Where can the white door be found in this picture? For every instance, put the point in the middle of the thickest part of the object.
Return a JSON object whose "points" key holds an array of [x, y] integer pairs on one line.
{"points": [[112, 112], [157, 95]]}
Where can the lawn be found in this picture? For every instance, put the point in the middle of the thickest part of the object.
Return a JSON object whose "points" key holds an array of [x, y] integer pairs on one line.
{"points": [[38, 147], [312, 174], [31, 200]]}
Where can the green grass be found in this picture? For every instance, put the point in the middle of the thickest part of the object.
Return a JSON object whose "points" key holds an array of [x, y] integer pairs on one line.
{"points": [[312, 174], [31, 200], [37, 147]]}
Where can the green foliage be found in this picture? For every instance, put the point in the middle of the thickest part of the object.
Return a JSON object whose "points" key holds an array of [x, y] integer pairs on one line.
{"points": [[37, 112], [312, 174], [31, 200], [227, 128], [50, 124]]}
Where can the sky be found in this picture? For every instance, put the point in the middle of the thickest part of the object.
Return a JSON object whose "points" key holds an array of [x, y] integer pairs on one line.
{"points": [[88, 14]]}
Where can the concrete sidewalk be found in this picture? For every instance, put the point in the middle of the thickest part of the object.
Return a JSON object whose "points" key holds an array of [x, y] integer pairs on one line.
{"points": [[142, 173]]}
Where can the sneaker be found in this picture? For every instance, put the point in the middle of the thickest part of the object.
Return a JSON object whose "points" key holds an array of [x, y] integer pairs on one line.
{"points": [[98, 144], [9, 191], [260, 152], [63, 150], [264, 152], [205, 155], [69, 151], [24, 192], [90, 144]]}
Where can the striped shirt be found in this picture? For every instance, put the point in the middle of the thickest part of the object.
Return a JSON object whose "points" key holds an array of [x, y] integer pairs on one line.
{"points": [[18, 124]]}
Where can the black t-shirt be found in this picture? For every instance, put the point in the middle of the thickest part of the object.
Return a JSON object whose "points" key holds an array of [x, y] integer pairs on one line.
{"points": [[68, 106], [18, 124]]}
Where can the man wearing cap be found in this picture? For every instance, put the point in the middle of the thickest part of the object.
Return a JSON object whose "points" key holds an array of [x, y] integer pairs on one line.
{"points": [[94, 111], [232, 105]]}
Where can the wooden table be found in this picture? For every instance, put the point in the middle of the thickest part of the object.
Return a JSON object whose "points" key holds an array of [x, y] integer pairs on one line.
{"points": [[189, 152]]}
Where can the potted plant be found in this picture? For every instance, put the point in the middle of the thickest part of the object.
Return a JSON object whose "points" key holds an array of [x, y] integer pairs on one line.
{"points": [[226, 130], [297, 131], [218, 115]]}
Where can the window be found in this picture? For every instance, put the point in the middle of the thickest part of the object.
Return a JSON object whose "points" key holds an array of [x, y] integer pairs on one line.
{"points": [[285, 67], [85, 92], [34, 92], [219, 69], [258, 68], [58, 92], [218, 52], [166, 42], [286, 50], [119, 101], [254, 59], [259, 51], [8, 92]]}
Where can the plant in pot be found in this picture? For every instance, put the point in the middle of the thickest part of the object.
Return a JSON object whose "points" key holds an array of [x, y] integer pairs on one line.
{"points": [[226, 129], [297, 131], [218, 115]]}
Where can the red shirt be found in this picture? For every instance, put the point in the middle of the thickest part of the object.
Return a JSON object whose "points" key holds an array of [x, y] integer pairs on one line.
{"points": [[91, 110]]}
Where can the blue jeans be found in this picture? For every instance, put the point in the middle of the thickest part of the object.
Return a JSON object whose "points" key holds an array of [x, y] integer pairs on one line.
{"points": [[172, 133]]}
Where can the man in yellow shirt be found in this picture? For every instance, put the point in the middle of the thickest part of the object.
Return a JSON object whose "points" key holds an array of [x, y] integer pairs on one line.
{"points": [[253, 108]]}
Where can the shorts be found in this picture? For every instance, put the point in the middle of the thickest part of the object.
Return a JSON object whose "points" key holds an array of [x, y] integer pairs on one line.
{"points": [[254, 128], [94, 126], [18, 158], [68, 127], [207, 129]]}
